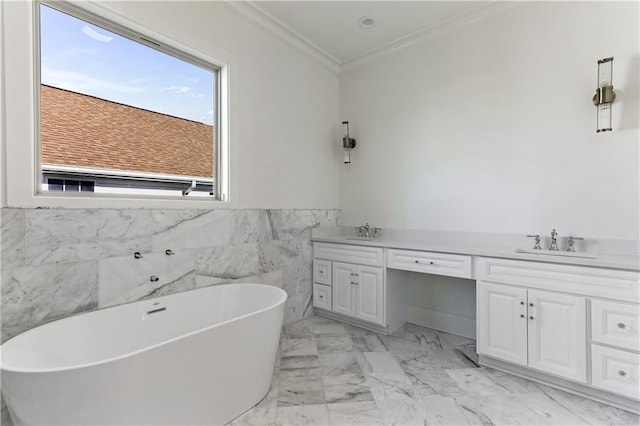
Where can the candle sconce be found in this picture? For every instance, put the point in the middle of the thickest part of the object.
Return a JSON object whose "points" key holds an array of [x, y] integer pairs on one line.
{"points": [[604, 96], [348, 143]]}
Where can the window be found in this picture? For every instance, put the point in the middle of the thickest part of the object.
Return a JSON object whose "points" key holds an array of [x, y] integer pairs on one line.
{"points": [[122, 114]]}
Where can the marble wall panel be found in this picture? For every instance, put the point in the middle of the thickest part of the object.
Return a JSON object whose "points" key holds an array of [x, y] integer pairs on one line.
{"points": [[71, 235], [56, 262], [35, 295], [12, 238], [127, 279]]}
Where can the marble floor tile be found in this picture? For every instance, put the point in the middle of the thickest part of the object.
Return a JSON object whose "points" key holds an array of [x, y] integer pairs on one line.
{"points": [[299, 362], [256, 417], [390, 386], [303, 415], [354, 413], [347, 388], [400, 412], [380, 362], [334, 344], [475, 381], [300, 391], [298, 347], [332, 373], [368, 343], [339, 364]]}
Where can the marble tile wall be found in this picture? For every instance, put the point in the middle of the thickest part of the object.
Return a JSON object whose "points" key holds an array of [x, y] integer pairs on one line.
{"points": [[57, 262]]}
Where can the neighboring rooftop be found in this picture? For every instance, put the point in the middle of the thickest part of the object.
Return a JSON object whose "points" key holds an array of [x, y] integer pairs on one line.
{"points": [[82, 130]]}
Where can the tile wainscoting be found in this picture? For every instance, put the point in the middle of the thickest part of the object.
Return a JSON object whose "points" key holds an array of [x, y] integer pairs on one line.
{"points": [[58, 262]]}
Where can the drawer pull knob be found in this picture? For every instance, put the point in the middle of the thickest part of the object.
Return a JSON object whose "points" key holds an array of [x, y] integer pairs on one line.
{"points": [[622, 325], [522, 302], [417, 261], [530, 304], [622, 373], [430, 263], [521, 315], [531, 317]]}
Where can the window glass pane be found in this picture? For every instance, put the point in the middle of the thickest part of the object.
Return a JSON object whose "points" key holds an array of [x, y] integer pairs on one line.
{"points": [[55, 184], [121, 113], [71, 185], [87, 186]]}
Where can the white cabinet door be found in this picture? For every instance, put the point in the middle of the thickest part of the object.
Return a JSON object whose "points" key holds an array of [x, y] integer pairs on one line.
{"points": [[343, 288], [370, 294], [502, 322], [558, 334]]}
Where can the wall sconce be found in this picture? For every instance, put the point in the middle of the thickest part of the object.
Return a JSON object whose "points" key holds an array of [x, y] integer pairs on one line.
{"points": [[605, 95], [348, 143]]}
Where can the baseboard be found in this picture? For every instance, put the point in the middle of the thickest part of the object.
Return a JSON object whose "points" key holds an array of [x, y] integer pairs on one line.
{"points": [[604, 397], [449, 323], [353, 321]]}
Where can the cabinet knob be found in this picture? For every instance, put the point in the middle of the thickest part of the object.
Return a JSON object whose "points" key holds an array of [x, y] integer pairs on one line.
{"points": [[530, 304], [521, 315], [416, 261], [622, 373], [622, 325], [522, 302], [430, 263], [531, 317]]}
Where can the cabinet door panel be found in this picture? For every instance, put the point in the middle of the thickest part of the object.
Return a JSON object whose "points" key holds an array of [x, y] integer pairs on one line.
{"points": [[501, 325], [343, 288], [370, 294], [557, 334]]}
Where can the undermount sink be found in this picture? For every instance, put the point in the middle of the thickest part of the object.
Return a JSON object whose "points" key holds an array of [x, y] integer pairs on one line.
{"points": [[360, 239], [558, 253]]}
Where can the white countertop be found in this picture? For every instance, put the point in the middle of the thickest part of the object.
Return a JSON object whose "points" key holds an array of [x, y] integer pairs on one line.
{"points": [[500, 246]]}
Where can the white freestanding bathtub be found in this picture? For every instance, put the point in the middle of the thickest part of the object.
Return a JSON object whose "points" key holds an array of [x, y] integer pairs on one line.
{"points": [[198, 357]]}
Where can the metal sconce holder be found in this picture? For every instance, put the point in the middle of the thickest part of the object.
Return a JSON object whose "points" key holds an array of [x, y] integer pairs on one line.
{"points": [[605, 95], [348, 143]]}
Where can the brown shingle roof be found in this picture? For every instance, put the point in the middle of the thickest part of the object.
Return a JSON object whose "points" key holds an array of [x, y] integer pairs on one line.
{"points": [[82, 130]]}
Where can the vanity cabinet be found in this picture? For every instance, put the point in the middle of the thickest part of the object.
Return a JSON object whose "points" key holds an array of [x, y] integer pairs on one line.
{"points": [[353, 276], [539, 329], [578, 323]]}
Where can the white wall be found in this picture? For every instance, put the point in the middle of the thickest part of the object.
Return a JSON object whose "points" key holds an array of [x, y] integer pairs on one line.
{"points": [[283, 106], [493, 129]]}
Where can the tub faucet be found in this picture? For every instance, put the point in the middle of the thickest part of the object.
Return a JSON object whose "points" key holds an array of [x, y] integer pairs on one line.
{"points": [[554, 241]]}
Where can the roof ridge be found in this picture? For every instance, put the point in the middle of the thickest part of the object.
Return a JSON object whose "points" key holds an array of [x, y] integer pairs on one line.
{"points": [[125, 105]]}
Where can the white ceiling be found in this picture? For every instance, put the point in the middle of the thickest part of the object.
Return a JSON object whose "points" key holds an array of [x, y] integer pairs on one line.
{"points": [[333, 25]]}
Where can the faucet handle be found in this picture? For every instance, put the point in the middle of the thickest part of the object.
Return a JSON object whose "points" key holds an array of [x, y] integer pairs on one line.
{"points": [[537, 237], [571, 240], [376, 232]]}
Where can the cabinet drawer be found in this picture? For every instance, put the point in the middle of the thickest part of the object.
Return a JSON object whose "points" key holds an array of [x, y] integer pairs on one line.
{"points": [[615, 324], [615, 371], [452, 265], [322, 271], [597, 282], [351, 254], [322, 296]]}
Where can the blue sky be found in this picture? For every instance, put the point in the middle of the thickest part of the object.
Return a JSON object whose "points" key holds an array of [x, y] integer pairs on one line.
{"points": [[84, 58]]}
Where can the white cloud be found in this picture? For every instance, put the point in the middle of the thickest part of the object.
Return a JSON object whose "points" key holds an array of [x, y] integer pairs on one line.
{"points": [[176, 89], [88, 31], [197, 95], [79, 82]]}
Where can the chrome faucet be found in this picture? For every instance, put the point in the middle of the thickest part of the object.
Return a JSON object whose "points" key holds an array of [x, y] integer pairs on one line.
{"points": [[554, 241], [537, 240], [363, 231], [571, 241]]}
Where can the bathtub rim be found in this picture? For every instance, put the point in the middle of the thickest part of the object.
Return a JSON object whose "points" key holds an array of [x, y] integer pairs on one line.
{"points": [[9, 369]]}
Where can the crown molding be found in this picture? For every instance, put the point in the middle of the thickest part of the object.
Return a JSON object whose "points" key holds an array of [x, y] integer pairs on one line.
{"points": [[256, 15], [252, 12], [452, 25]]}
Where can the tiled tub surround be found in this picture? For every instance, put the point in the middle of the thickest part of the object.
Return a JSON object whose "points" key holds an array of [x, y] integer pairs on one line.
{"points": [[331, 373], [57, 262]]}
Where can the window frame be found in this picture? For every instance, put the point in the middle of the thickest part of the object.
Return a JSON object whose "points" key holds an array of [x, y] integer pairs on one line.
{"points": [[21, 144], [138, 37]]}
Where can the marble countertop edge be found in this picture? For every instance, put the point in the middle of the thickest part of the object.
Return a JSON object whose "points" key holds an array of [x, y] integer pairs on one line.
{"points": [[614, 261]]}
